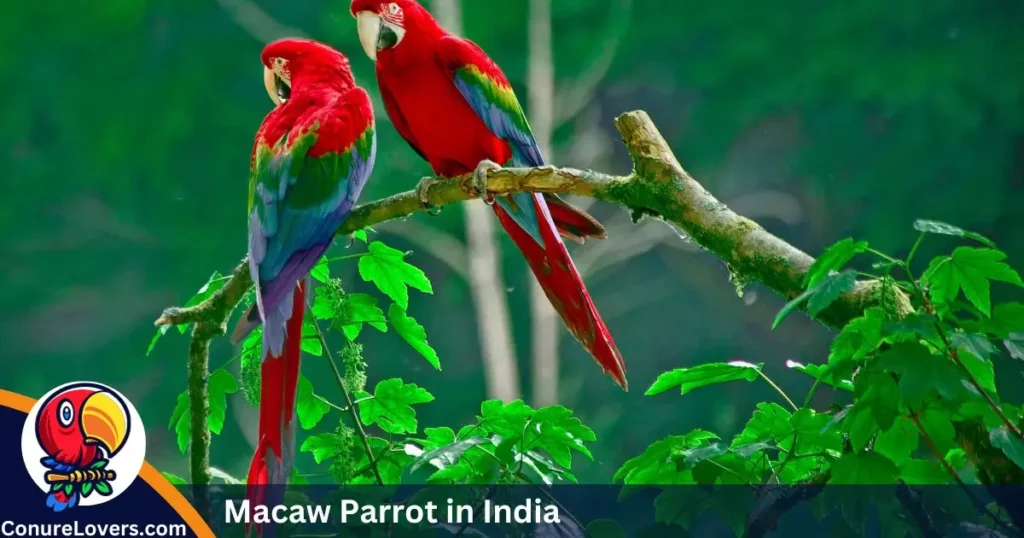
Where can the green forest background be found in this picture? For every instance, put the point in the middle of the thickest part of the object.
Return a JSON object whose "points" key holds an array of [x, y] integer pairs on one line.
{"points": [[127, 127]]}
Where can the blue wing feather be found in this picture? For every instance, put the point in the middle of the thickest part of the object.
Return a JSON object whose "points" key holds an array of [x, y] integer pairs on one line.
{"points": [[286, 239], [494, 102]]}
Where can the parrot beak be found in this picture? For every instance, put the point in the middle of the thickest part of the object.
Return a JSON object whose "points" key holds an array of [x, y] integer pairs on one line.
{"points": [[104, 421], [277, 88], [369, 26], [375, 34]]}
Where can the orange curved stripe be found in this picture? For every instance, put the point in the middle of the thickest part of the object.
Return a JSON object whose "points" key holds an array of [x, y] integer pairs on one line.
{"points": [[148, 474]]}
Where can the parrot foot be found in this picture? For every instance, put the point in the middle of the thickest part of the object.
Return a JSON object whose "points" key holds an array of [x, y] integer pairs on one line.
{"points": [[479, 181], [423, 193]]}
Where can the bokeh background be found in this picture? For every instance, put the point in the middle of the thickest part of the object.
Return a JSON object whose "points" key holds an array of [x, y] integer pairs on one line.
{"points": [[127, 127]]}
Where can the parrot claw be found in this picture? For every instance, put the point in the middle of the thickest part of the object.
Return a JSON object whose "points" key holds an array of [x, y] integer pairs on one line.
{"points": [[479, 181], [423, 193]]}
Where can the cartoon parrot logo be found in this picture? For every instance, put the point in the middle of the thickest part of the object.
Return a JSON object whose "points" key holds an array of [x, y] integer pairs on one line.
{"points": [[80, 430]]}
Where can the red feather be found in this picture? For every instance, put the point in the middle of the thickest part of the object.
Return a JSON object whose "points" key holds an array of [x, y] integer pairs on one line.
{"points": [[431, 114], [279, 378]]}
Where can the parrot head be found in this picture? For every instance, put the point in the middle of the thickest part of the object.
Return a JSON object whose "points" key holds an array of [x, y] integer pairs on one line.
{"points": [[384, 25], [290, 64], [75, 424]]}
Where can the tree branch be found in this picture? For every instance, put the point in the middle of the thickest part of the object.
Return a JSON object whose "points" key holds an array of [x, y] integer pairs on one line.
{"points": [[657, 187]]}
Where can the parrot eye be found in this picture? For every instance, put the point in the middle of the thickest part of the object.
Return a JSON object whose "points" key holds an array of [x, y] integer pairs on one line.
{"points": [[393, 8], [65, 413]]}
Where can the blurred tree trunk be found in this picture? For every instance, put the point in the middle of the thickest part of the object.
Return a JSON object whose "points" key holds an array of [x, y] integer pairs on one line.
{"points": [[487, 287], [544, 322]]}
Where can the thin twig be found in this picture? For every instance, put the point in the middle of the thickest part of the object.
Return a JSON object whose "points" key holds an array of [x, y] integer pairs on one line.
{"points": [[951, 471], [953, 354], [778, 389], [353, 412]]}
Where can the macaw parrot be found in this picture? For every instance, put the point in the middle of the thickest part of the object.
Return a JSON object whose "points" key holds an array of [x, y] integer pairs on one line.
{"points": [[312, 156], [80, 429], [456, 109]]}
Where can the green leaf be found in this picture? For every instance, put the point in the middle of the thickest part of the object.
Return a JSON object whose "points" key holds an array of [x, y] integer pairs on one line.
{"points": [[688, 379], [825, 374], [1009, 443], [413, 333], [980, 367], [447, 454], [103, 488], [323, 446], [181, 422], [100, 464], [969, 270], [829, 289], [173, 479], [297, 479], [1015, 345], [364, 310], [311, 338], [812, 431], [360, 235], [819, 297], [977, 344], [605, 528], [655, 465], [1007, 318], [556, 431], [957, 458], [87, 489], [391, 405], [898, 442], [221, 383], [681, 506], [921, 372], [390, 463], [769, 422], [156, 338], [309, 407], [834, 258], [321, 272], [936, 423], [936, 227], [923, 472], [861, 425], [867, 468], [387, 269], [860, 337], [506, 420]]}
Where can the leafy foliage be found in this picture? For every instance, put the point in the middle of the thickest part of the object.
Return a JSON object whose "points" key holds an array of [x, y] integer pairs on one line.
{"points": [[387, 269], [919, 380], [221, 384]]}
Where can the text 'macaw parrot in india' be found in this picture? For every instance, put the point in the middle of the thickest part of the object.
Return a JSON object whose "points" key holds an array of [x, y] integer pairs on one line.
{"points": [[456, 109], [312, 156], [80, 429]]}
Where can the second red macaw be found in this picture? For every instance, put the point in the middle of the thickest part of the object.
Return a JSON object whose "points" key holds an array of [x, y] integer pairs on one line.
{"points": [[457, 110]]}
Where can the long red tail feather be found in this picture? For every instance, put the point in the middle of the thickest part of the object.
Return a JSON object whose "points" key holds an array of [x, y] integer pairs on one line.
{"points": [[564, 287], [279, 378], [572, 222]]}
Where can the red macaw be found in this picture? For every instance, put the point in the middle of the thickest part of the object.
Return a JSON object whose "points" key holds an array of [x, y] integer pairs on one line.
{"points": [[456, 109], [312, 156], [80, 429]]}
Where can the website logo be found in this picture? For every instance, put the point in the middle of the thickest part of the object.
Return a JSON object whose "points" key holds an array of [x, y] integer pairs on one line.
{"points": [[83, 444]]}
